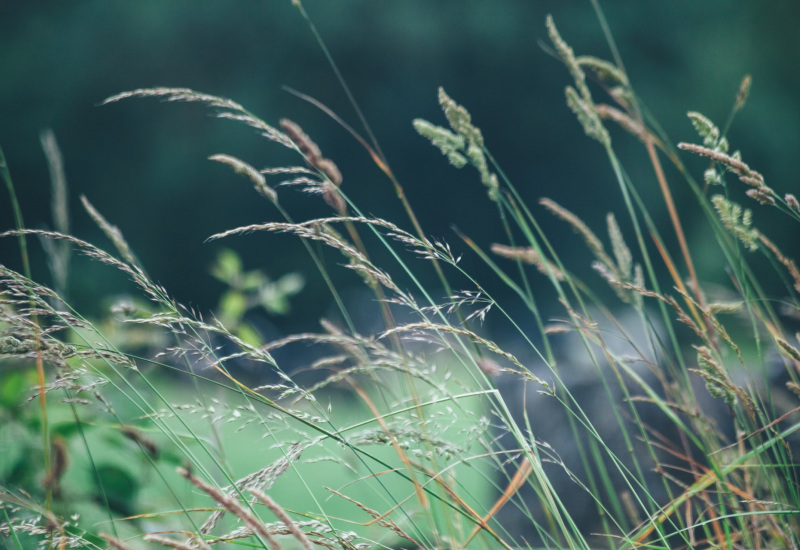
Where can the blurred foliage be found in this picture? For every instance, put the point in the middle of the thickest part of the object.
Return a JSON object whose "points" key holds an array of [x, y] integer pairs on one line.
{"points": [[248, 290], [89, 488], [144, 165]]}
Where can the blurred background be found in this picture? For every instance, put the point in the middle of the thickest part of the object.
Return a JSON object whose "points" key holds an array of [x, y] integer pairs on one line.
{"points": [[143, 163]]}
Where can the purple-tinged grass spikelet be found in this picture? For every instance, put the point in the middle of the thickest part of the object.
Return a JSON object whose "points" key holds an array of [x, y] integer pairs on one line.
{"points": [[114, 542], [233, 506], [312, 152], [243, 169], [170, 543], [762, 195], [490, 367], [283, 516], [529, 255]]}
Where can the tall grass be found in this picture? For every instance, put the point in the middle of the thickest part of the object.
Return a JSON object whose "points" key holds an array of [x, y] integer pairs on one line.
{"points": [[662, 427]]}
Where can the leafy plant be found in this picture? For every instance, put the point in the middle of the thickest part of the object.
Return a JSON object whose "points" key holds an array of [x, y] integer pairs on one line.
{"points": [[249, 290]]}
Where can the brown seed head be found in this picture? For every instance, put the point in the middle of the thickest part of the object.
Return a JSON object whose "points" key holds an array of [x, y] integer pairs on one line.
{"points": [[302, 141], [329, 168]]}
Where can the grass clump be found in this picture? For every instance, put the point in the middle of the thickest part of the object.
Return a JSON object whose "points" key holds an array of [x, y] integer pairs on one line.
{"points": [[662, 428]]}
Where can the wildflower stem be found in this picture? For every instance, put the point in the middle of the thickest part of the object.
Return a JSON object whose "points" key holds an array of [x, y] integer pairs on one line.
{"points": [[676, 223], [26, 267]]}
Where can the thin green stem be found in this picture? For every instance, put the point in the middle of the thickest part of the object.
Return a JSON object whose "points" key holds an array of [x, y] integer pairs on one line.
{"points": [[23, 247]]}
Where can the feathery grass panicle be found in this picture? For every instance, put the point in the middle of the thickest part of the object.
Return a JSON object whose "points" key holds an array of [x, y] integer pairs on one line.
{"points": [[621, 251], [312, 152], [587, 116], [284, 517], [605, 70], [594, 244], [170, 543], [111, 231], [333, 198], [233, 506], [312, 229], [392, 229], [176, 94], [529, 255], [262, 479], [568, 58], [288, 170], [114, 542], [490, 367], [725, 308], [683, 317], [305, 144], [737, 220], [744, 92], [145, 443], [58, 252], [329, 168], [558, 328], [228, 109], [244, 169], [155, 292], [465, 145], [199, 542], [417, 329], [382, 519], [625, 121], [580, 101], [707, 129], [712, 177], [320, 230], [762, 195], [788, 348], [712, 324], [265, 130], [746, 174], [716, 378], [625, 268], [451, 145], [312, 184], [460, 120]]}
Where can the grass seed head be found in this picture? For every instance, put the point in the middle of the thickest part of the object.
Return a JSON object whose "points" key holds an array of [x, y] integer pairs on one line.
{"points": [[306, 145], [744, 92]]}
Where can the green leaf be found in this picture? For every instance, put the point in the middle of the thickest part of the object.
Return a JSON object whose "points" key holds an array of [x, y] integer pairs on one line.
{"points": [[232, 306], [16, 442], [290, 284], [13, 386], [119, 485], [249, 335], [228, 267], [253, 280]]}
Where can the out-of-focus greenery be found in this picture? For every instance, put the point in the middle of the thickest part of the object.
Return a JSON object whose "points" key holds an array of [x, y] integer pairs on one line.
{"points": [[248, 290], [143, 164]]}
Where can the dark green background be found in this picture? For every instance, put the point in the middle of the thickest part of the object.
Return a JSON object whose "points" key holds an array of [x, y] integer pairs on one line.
{"points": [[143, 164]]}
